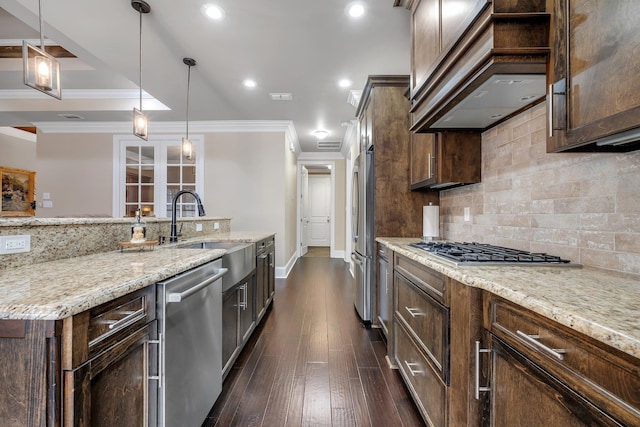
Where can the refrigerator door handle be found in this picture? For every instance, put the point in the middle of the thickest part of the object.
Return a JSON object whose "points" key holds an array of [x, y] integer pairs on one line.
{"points": [[356, 259]]}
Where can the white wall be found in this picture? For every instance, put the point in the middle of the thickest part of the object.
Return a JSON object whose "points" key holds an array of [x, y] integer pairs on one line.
{"points": [[249, 177], [17, 149]]}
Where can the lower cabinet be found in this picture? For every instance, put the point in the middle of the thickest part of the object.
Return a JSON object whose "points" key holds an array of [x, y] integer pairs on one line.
{"points": [[542, 373], [265, 275], [106, 370], [238, 319]]}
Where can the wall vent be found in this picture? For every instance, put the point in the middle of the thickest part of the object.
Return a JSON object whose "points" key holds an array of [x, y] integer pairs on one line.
{"points": [[329, 145], [281, 96]]}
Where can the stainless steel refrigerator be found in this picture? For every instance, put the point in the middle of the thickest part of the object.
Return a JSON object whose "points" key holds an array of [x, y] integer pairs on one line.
{"points": [[362, 230]]}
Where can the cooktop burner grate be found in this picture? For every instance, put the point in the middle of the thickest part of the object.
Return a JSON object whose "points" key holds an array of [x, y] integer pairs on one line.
{"points": [[484, 254]]}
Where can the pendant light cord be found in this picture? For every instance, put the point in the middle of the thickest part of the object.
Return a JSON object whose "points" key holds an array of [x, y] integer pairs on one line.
{"points": [[188, 87], [40, 18], [140, 67]]}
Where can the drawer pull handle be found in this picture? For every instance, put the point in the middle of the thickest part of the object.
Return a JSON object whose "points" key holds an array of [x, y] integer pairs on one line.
{"points": [[413, 371], [414, 312], [550, 111], [533, 340], [479, 389], [129, 315], [160, 358]]}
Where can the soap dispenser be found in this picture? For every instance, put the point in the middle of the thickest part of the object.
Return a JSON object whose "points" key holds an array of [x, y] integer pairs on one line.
{"points": [[138, 229]]}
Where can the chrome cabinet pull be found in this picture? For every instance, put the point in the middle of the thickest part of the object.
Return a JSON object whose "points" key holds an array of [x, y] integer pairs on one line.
{"points": [[413, 371], [130, 317], [550, 110], [159, 342], [414, 312], [243, 302], [533, 340], [477, 387]]}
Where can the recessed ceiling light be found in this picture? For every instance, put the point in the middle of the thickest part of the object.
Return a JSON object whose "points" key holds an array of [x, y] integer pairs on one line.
{"points": [[344, 83], [355, 10], [249, 83], [212, 11], [320, 134]]}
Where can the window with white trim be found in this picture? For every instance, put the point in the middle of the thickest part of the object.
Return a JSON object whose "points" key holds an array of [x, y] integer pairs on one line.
{"points": [[148, 174]]}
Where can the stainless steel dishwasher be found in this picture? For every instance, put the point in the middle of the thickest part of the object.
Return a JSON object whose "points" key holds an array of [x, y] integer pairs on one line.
{"points": [[190, 339]]}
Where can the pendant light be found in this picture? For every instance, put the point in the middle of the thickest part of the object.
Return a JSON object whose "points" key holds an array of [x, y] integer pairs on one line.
{"points": [[41, 70], [139, 119], [187, 146]]}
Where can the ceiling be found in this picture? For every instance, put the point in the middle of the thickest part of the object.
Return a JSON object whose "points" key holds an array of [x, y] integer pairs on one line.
{"points": [[301, 47]]}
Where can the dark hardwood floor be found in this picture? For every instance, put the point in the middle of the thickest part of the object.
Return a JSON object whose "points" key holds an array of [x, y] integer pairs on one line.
{"points": [[312, 363]]}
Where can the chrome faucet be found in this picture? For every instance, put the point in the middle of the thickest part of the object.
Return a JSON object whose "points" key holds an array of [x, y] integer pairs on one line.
{"points": [[174, 227]]}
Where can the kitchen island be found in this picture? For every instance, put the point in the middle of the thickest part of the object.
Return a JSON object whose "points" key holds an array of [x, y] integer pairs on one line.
{"points": [[498, 343], [85, 327]]}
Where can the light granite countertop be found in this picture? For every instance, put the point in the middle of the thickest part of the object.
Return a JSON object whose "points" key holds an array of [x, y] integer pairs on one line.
{"points": [[601, 304], [58, 289]]}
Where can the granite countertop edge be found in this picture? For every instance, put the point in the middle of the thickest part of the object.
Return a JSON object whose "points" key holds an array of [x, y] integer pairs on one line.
{"points": [[573, 297], [58, 289]]}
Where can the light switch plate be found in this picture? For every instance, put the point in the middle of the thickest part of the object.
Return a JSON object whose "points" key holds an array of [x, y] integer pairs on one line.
{"points": [[198, 227], [467, 214], [15, 244]]}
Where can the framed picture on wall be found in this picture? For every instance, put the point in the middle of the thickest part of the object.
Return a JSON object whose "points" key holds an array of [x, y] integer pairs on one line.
{"points": [[18, 192]]}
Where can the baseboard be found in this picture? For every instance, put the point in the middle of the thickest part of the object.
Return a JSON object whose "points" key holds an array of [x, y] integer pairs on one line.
{"points": [[337, 254], [283, 272]]}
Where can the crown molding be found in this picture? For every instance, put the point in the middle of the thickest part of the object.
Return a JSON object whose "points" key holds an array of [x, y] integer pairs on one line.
{"points": [[329, 155]]}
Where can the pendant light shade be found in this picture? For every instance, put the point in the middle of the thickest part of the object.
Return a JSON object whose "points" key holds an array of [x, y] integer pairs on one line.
{"points": [[139, 118], [41, 70], [187, 146]]}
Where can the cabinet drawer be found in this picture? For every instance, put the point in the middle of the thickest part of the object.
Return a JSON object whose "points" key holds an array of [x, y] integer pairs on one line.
{"points": [[426, 320], [427, 279], [109, 321], [429, 392], [608, 379]]}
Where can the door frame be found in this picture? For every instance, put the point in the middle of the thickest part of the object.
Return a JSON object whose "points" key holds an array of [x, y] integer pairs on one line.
{"points": [[332, 214]]}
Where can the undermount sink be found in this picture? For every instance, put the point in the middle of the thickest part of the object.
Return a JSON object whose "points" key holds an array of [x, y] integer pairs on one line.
{"points": [[239, 259]]}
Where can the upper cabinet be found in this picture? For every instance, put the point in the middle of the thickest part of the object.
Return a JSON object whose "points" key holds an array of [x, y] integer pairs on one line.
{"points": [[476, 62], [594, 85]]}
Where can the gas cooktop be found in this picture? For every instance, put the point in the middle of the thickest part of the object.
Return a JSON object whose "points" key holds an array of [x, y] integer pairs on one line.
{"points": [[484, 254]]}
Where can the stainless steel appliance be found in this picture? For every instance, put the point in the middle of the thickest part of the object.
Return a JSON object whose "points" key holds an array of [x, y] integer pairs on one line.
{"points": [[474, 254], [362, 231], [190, 338]]}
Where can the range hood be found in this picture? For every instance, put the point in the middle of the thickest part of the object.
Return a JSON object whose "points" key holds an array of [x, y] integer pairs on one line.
{"points": [[497, 98], [496, 69]]}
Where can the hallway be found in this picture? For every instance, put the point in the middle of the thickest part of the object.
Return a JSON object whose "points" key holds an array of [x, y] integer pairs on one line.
{"points": [[311, 363]]}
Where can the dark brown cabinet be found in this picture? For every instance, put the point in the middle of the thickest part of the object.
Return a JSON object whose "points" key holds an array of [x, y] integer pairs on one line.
{"points": [[473, 62], [594, 85], [265, 275], [445, 159], [384, 113], [542, 373], [238, 319], [384, 285], [106, 376]]}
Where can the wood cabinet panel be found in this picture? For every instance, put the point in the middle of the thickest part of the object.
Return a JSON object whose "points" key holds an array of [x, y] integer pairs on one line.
{"points": [[522, 394], [445, 159], [425, 39], [611, 381], [427, 388], [593, 70], [425, 278], [457, 15], [427, 322]]}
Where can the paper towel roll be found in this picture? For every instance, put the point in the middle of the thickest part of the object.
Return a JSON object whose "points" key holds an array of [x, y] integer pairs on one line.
{"points": [[430, 221]]}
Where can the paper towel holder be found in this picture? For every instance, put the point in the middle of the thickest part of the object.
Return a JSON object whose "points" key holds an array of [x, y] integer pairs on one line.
{"points": [[430, 222]]}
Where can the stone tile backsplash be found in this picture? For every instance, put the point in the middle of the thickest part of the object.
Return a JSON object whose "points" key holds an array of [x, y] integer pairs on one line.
{"points": [[581, 206], [60, 238]]}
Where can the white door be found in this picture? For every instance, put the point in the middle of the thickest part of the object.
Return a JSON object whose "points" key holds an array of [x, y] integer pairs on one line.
{"points": [[304, 216], [320, 210]]}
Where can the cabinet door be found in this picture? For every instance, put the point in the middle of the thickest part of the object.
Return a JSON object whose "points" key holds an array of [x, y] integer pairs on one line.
{"points": [[111, 389], [261, 285], [425, 40], [383, 292], [523, 394], [422, 154], [596, 85], [246, 295], [271, 275], [230, 322]]}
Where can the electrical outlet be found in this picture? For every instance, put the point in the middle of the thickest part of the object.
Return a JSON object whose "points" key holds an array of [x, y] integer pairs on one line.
{"points": [[216, 226], [15, 244], [198, 227]]}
